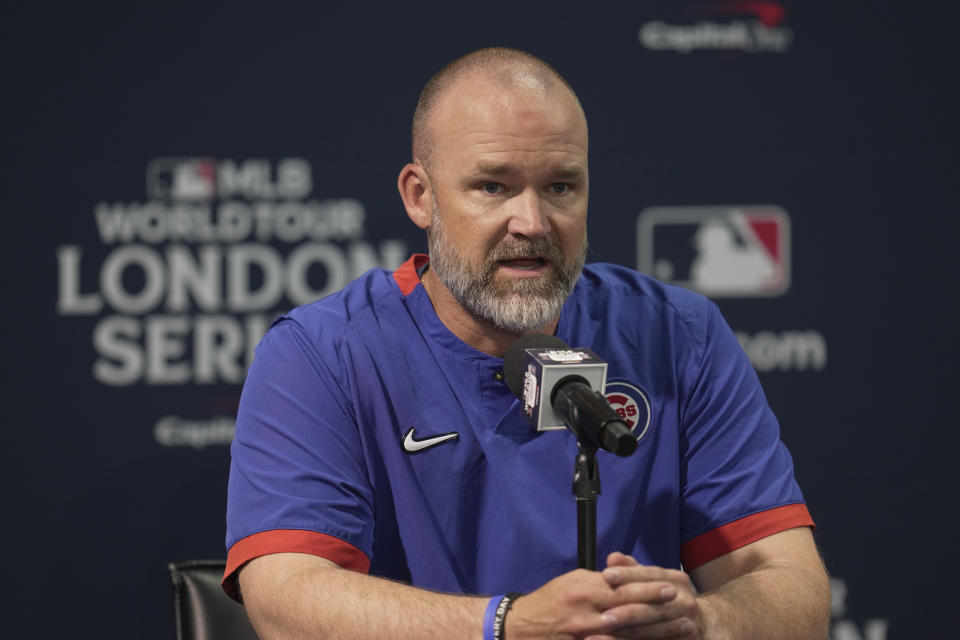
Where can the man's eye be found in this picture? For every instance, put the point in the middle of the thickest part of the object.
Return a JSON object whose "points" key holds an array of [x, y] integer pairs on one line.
{"points": [[560, 187], [491, 187]]}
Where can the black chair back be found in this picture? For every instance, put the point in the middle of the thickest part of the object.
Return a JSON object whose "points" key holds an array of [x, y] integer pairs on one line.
{"points": [[203, 611]]}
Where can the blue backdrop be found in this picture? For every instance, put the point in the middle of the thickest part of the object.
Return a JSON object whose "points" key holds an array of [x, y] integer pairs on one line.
{"points": [[175, 174]]}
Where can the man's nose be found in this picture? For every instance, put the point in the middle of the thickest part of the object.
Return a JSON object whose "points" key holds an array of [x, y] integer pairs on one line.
{"points": [[528, 215]]}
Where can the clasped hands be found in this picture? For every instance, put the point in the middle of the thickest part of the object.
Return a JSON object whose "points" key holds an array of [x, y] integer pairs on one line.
{"points": [[625, 600]]}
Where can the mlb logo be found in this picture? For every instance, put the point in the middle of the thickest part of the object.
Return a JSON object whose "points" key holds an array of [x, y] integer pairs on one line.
{"points": [[721, 252], [182, 178]]}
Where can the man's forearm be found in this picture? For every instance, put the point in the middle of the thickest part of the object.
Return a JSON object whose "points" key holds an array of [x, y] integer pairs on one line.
{"points": [[288, 597], [777, 600], [291, 595]]}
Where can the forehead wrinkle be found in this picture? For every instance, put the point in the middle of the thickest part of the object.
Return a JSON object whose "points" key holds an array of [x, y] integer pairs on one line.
{"points": [[494, 168], [493, 134], [491, 168], [518, 110], [496, 142], [558, 162]]}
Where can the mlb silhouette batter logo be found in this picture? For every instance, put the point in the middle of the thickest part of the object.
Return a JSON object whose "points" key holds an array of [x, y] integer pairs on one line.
{"points": [[722, 252], [182, 178]]}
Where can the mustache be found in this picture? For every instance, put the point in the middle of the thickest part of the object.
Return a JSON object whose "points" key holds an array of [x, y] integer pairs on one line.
{"points": [[545, 248]]}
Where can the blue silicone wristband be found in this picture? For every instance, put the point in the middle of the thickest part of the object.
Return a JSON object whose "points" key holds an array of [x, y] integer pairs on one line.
{"points": [[488, 617]]}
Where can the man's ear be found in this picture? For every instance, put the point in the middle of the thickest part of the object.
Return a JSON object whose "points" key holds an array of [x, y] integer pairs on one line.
{"points": [[414, 186]]}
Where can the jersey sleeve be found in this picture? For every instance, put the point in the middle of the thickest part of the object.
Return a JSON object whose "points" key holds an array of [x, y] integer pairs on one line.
{"points": [[298, 481], [737, 478]]}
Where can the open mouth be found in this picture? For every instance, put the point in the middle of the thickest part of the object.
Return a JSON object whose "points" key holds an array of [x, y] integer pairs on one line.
{"points": [[524, 264]]}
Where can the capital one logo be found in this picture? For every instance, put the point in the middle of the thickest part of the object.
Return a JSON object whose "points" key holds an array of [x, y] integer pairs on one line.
{"points": [[748, 26], [721, 252]]}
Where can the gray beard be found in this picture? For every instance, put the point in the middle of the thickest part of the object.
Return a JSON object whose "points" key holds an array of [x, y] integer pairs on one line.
{"points": [[516, 306]]}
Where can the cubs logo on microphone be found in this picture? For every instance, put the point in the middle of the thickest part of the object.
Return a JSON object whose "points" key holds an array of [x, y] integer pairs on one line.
{"points": [[632, 404]]}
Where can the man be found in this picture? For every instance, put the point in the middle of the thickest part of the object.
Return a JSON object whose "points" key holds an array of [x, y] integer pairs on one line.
{"points": [[375, 433]]}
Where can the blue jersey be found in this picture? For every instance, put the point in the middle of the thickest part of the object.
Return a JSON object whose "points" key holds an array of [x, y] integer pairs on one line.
{"points": [[370, 434]]}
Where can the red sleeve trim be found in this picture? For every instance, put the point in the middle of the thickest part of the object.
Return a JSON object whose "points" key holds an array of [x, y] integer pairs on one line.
{"points": [[742, 532], [290, 541], [407, 275]]}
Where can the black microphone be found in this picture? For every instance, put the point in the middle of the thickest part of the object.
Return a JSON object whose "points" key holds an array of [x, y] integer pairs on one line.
{"points": [[558, 387]]}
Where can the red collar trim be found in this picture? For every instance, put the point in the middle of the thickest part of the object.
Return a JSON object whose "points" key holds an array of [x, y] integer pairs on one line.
{"points": [[407, 274]]}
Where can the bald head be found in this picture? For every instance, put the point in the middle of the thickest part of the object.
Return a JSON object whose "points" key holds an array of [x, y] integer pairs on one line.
{"points": [[504, 68]]}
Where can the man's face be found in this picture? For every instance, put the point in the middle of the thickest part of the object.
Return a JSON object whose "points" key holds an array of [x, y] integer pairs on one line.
{"points": [[509, 177], [514, 304]]}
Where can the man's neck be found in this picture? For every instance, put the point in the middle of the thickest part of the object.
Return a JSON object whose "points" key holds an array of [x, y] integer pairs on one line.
{"points": [[476, 332]]}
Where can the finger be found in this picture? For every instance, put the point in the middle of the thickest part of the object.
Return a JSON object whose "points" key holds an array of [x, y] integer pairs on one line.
{"points": [[683, 607], [645, 593], [680, 628], [640, 573], [617, 558], [636, 614]]}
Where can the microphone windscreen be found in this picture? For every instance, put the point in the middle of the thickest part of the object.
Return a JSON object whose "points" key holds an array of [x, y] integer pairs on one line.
{"points": [[513, 359]]}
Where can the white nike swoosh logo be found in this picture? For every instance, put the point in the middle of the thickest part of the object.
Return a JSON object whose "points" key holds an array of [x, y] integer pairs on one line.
{"points": [[415, 446]]}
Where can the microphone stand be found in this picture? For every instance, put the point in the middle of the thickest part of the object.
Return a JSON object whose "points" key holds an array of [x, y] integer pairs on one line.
{"points": [[586, 488]]}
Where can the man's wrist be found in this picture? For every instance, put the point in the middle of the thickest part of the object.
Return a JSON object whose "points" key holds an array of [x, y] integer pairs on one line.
{"points": [[518, 625], [495, 616], [709, 622], [488, 615]]}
